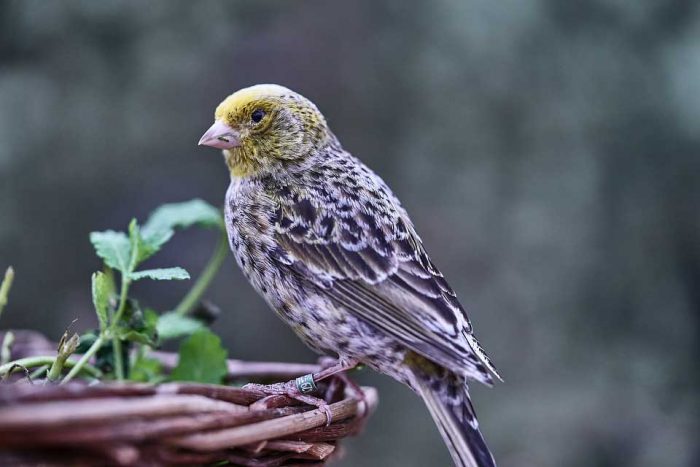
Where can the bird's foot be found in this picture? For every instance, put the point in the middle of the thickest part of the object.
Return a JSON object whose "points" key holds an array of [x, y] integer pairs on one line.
{"points": [[297, 389], [337, 369], [302, 387]]}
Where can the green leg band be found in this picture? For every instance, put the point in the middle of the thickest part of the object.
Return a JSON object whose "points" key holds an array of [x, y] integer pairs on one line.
{"points": [[305, 384]]}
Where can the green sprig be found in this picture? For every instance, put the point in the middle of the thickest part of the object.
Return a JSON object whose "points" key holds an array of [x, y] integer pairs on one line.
{"points": [[5, 287], [124, 252]]}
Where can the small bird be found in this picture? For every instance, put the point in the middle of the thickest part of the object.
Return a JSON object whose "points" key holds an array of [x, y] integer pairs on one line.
{"points": [[330, 248]]}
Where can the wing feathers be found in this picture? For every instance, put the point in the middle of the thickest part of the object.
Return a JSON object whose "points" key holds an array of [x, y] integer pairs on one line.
{"points": [[369, 260]]}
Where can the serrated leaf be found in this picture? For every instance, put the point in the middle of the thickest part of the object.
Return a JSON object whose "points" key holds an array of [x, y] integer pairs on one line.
{"points": [[153, 242], [101, 288], [144, 249], [114, 248], [162, 274], [161, 224], [172, 325], [201, 359], [182, 215]]}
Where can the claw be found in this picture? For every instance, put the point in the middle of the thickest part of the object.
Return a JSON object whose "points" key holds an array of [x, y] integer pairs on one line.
{"points": [[319, 404], [329, 415], [291, 389]]}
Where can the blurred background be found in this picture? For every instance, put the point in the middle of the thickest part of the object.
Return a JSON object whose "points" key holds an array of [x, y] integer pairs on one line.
{"points": [[548, 152]]}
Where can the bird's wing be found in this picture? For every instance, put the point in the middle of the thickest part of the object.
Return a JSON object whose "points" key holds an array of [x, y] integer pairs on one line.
{"points": [[360, 248]]}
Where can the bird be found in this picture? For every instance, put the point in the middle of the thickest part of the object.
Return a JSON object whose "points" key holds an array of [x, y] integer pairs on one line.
{"points": [[330, 248]]}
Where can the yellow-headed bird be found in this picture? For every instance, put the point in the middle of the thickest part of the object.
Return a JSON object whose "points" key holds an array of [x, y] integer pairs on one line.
{"points": [[327, 244]]}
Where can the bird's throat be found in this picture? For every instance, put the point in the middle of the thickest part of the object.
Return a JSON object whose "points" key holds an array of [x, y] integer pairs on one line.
{"points": [[239, 163]]}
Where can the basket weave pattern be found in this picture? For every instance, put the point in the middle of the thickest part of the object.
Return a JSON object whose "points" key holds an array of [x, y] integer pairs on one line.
{"points": [[176, 423]]}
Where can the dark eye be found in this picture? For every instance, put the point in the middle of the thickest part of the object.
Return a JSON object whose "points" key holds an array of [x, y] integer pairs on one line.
{"points": [[257, 115]]}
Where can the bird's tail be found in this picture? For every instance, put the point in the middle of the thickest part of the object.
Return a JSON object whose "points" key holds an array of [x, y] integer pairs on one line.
{"points": [[447, 398]]}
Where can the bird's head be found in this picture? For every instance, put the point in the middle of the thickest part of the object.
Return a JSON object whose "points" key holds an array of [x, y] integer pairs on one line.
{"points": [[266, 125]]}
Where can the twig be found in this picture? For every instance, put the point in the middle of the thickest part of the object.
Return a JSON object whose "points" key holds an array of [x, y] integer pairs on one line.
{"points": [[316, 450], [74, 390], [213, 391], [232, 437], [68, 413], [327, 433], [135, 430]]}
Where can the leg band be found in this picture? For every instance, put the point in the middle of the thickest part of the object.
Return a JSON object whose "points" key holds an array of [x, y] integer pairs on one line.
{"points": [[305, 384]]}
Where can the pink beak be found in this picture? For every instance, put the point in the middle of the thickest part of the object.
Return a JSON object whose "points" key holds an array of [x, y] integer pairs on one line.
{"points": [[221, 136]]}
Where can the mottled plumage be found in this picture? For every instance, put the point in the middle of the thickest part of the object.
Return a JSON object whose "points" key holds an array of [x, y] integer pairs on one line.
{"points": [[324, 240]]}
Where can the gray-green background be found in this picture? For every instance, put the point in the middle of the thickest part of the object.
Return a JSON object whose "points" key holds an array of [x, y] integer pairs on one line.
{"points": [[548, 152]]}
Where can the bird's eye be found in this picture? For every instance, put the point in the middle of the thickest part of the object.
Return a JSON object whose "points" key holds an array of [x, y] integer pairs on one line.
{"points": [[257, 115]]}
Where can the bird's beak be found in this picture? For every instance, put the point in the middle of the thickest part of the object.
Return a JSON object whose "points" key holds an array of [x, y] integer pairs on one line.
{"points": [[221, 136]]}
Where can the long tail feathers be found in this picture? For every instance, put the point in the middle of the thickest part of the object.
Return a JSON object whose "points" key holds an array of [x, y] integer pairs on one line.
{"points": [[451, 408]]}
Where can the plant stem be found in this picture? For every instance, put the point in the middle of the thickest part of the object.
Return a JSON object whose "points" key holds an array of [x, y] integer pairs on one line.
{"points": [[31, 362], [116, 343], [122, 301], [55, 370], [38, 372], [66, 347], [83, 362], [6, 348], [5, 287], [118, 360], [200, 286]]}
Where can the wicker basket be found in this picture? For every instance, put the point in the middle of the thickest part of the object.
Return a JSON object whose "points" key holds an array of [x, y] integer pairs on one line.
{"points": [[176, 423]]}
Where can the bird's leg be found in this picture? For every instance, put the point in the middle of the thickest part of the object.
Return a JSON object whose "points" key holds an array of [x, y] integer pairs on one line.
{"points": [[300, 388], [292, 390], [335, 367], [338, 369]]}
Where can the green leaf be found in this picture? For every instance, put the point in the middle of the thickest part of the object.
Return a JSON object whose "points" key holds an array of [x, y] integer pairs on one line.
{"points": [[152, 243], [163, 274], [172, 325], [161, 224], [137, 325], [101, 288], [144, 250], [86, 340], [147, 370], [150, 319], [201, 359], [114, 248], [181, 215], [110, 285], [139, 337]]}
